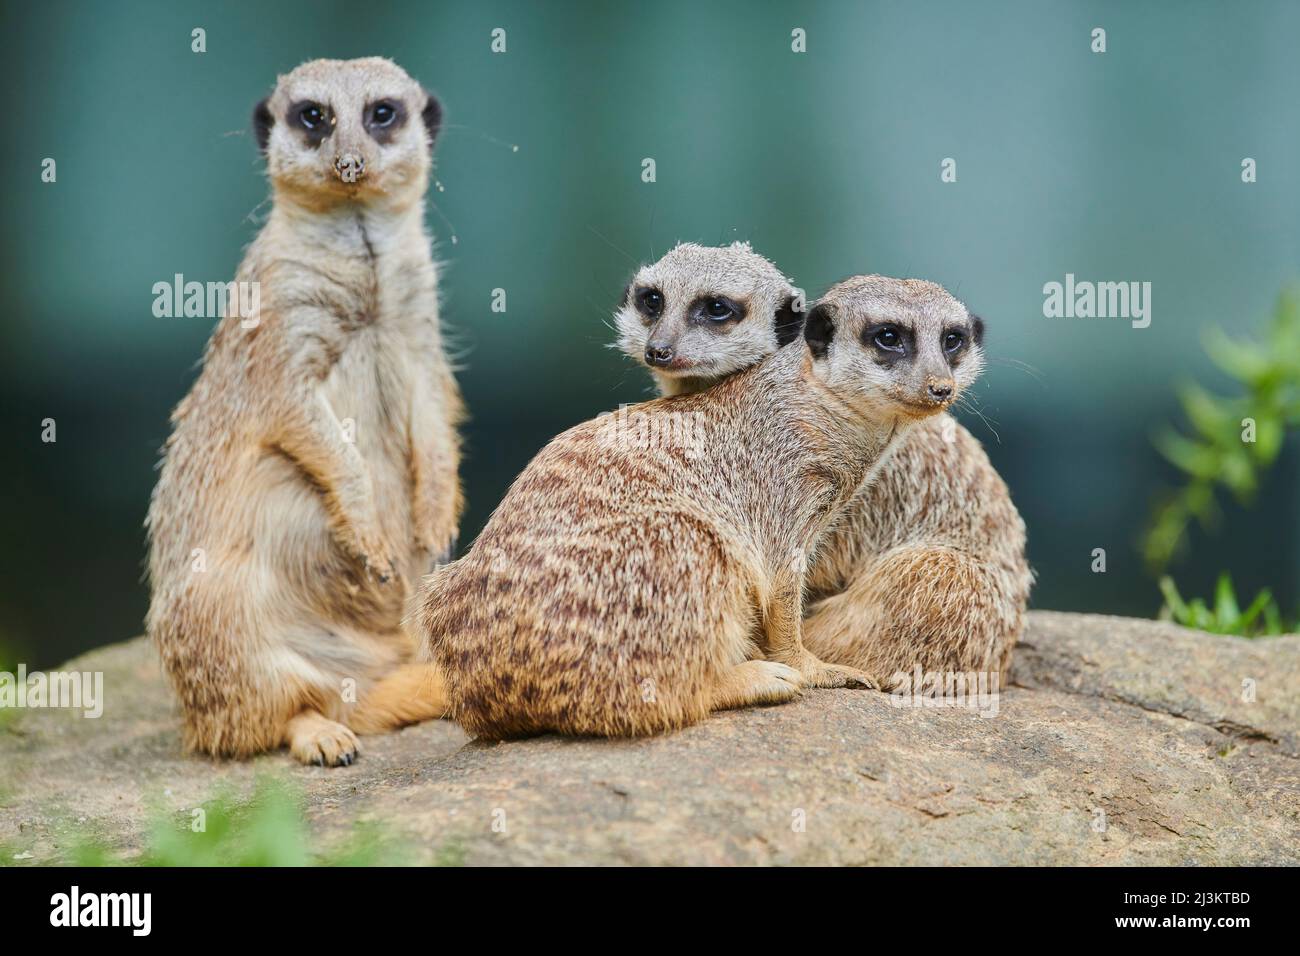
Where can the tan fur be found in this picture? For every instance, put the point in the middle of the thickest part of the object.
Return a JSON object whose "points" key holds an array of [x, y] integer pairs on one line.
{"points": [[927, 566], [411, 694], [311, 541], [640, 562]]}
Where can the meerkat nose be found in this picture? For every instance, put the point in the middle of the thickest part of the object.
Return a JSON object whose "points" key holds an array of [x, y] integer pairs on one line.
{"points": [[940, 391], [350, 167], [658, 354]]}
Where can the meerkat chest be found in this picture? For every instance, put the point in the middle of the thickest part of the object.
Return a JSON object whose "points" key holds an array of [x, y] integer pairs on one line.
{"points": [[371, 385]]}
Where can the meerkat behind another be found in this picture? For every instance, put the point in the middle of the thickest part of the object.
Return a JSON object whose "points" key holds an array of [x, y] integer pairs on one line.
{"points": [[311, 473], [926, 568], [641, 562]]}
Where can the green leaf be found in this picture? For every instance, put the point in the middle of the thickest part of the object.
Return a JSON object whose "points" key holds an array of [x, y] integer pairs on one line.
{"points": [[1174, 605], [1206, 412], [1196, 459], [1268, 439], [1226, 610], [1237, 471], [1263, 599], [1244, 361]]}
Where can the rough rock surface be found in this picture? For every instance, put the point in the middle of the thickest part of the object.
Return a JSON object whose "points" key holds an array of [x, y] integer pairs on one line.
{"points": [[1119, 741]]}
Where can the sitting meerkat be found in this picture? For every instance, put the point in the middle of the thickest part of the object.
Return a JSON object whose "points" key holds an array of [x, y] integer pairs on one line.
{"points": [[642, 560], [926, 568], [311, 472]]}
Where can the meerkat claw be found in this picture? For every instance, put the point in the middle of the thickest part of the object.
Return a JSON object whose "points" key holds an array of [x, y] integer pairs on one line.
{"points": [[838, 676], [316, 740]]}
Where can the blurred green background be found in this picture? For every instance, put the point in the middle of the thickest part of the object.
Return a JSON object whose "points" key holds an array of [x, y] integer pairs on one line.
{"points": [[1116, 166]]}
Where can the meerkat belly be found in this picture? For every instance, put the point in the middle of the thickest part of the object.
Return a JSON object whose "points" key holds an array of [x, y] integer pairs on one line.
{"points": [[929, 491], [297, 559], [369, 390]]}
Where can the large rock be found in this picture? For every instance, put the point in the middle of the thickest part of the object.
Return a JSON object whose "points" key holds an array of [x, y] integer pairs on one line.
{"points": [[1119, 741]]}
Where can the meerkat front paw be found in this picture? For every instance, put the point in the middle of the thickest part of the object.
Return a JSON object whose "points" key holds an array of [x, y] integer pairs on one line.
{"points": [[439, 550], [375, 554], [315, 739], [756, 682], [383, 569]]}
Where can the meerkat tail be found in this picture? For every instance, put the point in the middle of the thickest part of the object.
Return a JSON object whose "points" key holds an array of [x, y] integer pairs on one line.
{"points": [[411, 694], [933, 607]]}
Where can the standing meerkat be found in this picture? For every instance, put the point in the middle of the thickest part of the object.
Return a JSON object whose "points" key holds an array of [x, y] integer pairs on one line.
{"points": [[640, 562], [311, 472], [927, 567]]}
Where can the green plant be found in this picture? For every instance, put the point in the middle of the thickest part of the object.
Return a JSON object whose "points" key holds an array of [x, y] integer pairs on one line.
{"points": [[1233, 440], [265, 829], [1261, 617]]}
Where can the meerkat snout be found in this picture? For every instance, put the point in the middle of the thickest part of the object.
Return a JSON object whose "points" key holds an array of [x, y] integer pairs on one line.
{"points": [[658, 354], [350, 167], [906, 342], [939, 390]]}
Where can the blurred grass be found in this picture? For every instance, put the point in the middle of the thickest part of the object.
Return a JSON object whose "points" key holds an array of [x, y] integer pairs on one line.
{"points": [[1261, 618], [267, 828], [8, 665]]}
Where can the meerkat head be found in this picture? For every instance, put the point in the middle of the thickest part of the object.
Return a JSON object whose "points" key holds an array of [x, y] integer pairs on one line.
{"points": [[897, 348], [702, 313], [336, 131]]}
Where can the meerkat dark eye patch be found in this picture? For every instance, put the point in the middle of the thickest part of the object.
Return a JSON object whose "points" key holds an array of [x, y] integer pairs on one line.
{"points": [[383, 119], [977, 329], [891, 342], [432, 117], [819, 329], [715, 309], [649, 302], [262, 123], [789, 321], [314, 120]]}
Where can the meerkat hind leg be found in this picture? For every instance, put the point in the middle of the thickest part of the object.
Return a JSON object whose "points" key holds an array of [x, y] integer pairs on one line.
{"points": [[782, 625], [411, 694], [917, 606], [754, 683], [315, 739]]}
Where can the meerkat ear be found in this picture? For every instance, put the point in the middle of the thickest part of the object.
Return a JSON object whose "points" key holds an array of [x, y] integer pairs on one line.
{"points": [[432, 116], [627, 291], [977, 328], [789, 321], [262, 123], [819, 329]]}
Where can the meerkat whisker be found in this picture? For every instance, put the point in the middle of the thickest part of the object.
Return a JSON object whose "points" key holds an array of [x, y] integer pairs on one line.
{"points": [[609, 242]]}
